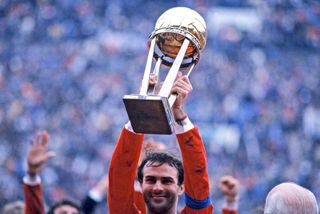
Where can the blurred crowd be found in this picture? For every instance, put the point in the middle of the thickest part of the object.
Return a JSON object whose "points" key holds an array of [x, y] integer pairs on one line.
{"points": [[65, 65]]}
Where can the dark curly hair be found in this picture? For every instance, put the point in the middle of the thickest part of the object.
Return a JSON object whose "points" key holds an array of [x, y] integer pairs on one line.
{"points": [[158, 159], [63, 202]]}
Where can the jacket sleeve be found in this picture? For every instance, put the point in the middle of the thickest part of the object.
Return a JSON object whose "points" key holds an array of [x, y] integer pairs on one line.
{"points": [[88, 205], [226, 211], [33, 199], [196, 179], [122, 173]]}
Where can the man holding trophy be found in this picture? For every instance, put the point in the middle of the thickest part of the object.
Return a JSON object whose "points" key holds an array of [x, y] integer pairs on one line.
{"points": [[179, 35]]}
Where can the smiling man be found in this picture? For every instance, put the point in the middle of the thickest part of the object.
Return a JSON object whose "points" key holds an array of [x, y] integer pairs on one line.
{"points": [[161, 176]]}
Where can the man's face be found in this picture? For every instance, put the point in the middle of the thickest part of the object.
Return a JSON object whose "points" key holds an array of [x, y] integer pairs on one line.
{"points": [[66, 209], [160, 188]]}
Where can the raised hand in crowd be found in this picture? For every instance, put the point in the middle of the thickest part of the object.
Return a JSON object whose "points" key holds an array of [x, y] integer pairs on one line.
{"points": [[38, 153], [229, 187]]}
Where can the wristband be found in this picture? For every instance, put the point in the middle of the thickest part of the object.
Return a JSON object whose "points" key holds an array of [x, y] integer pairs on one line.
{"points": [[234, 205], [32, 180], [197, 204], [179, 121], [95, 195]]}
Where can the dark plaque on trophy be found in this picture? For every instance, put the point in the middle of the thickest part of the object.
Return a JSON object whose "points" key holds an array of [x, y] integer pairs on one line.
{"points": [[176, 42]]}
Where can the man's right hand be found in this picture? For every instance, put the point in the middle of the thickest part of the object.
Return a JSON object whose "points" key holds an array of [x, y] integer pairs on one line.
{"points": [[38, 153], [182, 87]]}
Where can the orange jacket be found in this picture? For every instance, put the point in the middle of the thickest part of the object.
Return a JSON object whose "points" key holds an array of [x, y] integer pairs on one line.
{"points": [[124, 163]]}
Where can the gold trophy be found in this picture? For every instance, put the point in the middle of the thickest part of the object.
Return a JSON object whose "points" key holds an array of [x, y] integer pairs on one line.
{"points": [[176, 42]]}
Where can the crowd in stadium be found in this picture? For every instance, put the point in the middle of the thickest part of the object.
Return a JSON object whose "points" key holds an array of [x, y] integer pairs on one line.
{"points": [[65, 65]]}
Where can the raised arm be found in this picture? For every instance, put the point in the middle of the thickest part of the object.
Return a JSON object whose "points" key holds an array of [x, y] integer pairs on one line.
{"points": [[38, 155], [193, 153], [122, 172], [229, 187], [95, 195]]}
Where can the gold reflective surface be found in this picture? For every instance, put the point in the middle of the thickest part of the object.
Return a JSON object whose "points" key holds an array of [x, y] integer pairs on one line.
{"points": [[176, 24]]}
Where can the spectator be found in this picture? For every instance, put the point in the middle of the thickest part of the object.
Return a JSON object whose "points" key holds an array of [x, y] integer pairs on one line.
{"points": [[38, 155], [65, 206], [16, 207], [290, 198]]}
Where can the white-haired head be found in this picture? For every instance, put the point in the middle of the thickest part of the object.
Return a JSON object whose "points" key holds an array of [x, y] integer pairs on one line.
{"points": [[15, 207], [290, 198]]}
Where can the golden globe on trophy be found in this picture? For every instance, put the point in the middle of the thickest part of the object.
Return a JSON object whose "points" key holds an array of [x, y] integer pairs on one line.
{"points": [[176, 42]]}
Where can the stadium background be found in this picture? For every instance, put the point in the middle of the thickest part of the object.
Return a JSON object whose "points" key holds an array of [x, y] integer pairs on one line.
{"points": [[65, 65]]}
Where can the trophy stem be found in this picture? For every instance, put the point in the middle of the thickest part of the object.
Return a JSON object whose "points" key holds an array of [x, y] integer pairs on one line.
{"points": [[157, 67], [173, 97], [168, 83], [191, 68], [155, 73], [145, 80]]}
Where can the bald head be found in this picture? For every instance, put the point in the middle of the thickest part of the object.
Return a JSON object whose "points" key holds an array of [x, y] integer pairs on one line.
{"points": [[290, 198], [16, 207]]}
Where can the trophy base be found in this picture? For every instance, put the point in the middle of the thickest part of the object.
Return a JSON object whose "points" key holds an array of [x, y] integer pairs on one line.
{"points": [[149, 114]]}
